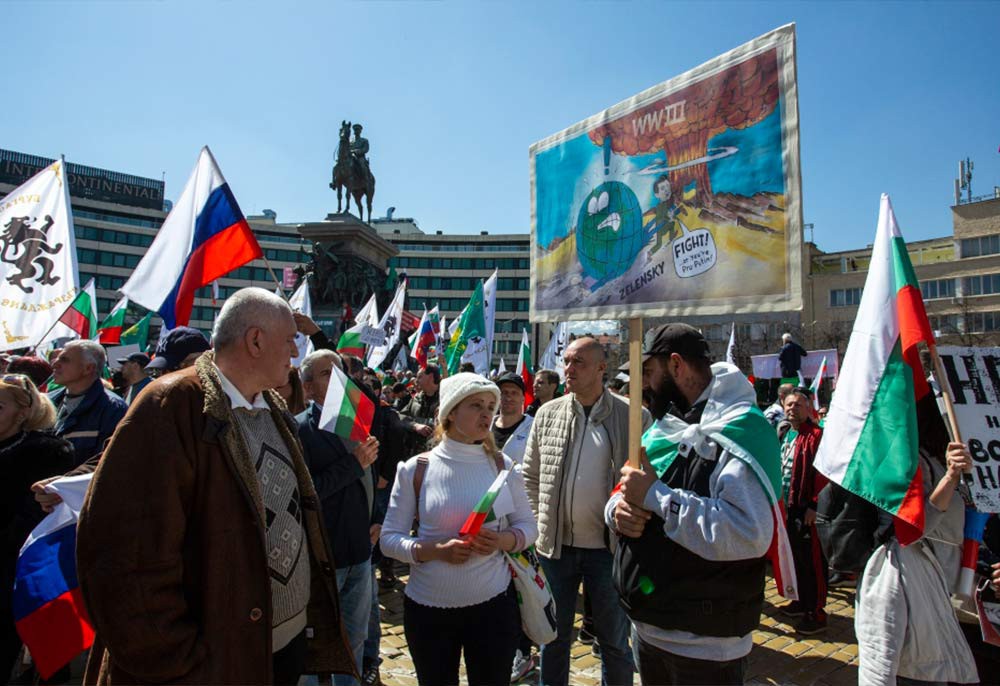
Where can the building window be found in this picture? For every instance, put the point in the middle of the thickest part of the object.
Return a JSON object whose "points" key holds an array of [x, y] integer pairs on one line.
{"points": [[939, 288], [944, 323], [845, 297], [982, 322], [985, 284], [980, 245]]}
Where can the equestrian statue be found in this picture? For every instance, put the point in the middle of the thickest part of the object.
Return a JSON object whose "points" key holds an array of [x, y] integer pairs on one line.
{"points": [[351, 171]]}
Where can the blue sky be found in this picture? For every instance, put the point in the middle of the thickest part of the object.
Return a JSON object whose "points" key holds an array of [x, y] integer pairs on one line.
{"points": [[892, 95]]}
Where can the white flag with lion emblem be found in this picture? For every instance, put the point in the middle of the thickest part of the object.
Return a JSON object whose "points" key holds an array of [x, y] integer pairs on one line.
{"points": [[38, 272]]}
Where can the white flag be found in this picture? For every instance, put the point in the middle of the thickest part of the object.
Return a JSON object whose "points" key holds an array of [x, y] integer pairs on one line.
{"points": [[731, 348], [552, 358], [300, 302], [490, 310], [38, 271], [503, 367], [401, 364], [390, 325]]}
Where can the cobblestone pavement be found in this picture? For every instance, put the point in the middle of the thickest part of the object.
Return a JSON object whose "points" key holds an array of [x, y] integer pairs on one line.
{"points": [[779, 656]]}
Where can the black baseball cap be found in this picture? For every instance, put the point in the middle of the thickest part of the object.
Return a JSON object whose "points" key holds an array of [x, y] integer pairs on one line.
{"points": [[678, 338], [141, 358], [178, 344], [510, 377]]}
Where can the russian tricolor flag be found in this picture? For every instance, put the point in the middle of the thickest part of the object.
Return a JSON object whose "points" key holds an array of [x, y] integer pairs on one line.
{"points": [[203, 238], [48, 608]]}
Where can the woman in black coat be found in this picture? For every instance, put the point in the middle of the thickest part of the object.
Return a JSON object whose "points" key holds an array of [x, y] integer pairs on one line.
{"points": [[29, 452]]}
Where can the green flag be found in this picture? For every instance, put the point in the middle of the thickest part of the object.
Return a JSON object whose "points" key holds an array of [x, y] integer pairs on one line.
{"points": [[391, 278], [138, 332], [472, 324]]}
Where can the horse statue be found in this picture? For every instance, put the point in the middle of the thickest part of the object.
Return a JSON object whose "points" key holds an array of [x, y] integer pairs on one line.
{"points": [[351, 172]]}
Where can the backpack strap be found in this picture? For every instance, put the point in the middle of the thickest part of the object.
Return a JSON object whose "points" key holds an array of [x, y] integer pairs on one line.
{"points": [[419, 473]]}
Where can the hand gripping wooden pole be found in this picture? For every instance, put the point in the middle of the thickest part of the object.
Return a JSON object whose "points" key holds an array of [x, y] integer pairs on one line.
{"points": [[634, 391]]}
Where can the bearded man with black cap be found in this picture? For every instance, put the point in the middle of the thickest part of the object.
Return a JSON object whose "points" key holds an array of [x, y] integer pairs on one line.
{"points": [[696, 521]]}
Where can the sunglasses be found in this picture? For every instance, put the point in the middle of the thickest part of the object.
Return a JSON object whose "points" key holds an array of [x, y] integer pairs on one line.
{"points": [[21, 381]]}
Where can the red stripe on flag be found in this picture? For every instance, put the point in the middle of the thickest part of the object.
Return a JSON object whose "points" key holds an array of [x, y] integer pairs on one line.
{"points": [[909, 519], [227, 250], [364, 414], [473, 524], [77, 321], [913, 328], [772, 550], [57, 632], [111, 336]]}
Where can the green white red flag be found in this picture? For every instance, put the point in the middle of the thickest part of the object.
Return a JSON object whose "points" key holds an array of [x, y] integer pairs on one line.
{"points": [[870, 439], [524, 368], [347, 411], [81, 315], [110, 330], [474, 522], [350, 342]]}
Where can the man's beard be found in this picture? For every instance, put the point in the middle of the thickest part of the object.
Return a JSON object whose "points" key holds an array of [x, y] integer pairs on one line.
{"points": [[669, 394]]}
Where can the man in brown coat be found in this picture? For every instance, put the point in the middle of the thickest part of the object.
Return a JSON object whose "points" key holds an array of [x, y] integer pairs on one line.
{"points": [[200, 550]]}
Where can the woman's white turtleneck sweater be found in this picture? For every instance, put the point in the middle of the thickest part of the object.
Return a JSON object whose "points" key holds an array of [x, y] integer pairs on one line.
{"points": [[458, 474]]}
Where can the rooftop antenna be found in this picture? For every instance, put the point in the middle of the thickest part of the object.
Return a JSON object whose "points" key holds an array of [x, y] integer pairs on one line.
{"points": [[964, 181]]}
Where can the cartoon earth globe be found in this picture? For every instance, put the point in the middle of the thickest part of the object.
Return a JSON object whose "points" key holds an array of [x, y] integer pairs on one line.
{"points": [[609, 232]]}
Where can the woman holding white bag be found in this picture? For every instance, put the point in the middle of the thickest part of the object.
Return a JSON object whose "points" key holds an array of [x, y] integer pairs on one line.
{"points": [[460, 596]]}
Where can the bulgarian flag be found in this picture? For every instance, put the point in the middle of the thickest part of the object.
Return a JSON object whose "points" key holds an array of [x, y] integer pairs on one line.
{"points": [[524, 369], [870, 439], [733, 421], [817, 382], [81, 315], [347, 411], [350, 341], [110, 330], [484, 507]]}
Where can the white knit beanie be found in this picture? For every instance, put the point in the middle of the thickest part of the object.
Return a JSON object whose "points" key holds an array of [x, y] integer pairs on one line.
{"points": [[456, 388]]}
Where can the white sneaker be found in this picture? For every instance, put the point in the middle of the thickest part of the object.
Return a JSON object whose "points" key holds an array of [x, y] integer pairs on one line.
{"points": [[523, 664]]}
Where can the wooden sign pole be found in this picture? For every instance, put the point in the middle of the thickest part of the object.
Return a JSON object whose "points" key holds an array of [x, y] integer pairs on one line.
{"points": [[634, 390]]}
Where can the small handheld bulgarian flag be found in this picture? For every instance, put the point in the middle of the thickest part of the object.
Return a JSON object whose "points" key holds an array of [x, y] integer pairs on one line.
{"points": [[347, 411], [110, 330], [81, 315], [483, 508]]}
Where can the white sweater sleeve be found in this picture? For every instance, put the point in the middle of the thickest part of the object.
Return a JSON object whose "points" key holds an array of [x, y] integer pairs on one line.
{"points": [[396, 541], [733, 524]]}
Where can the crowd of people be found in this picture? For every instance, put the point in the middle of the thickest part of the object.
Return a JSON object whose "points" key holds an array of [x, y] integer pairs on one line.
{"points": [[227, 537]]}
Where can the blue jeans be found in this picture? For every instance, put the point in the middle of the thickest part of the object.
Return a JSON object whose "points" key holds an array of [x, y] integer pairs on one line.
{"points": [[611, 625], [354, 584], [374, 627]]}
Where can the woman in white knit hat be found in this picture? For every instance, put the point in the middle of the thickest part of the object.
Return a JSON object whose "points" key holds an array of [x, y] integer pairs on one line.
{"points": [[459, 596]]}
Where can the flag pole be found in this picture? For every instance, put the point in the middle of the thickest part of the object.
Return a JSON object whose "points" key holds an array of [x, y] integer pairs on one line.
{"points": [[949, 406], [34, 348], [281, 286], [634, 391]]}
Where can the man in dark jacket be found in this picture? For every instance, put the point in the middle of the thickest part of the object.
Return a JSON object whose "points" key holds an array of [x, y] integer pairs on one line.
{"points": [[88, 412], [790, 357], [419, 416], [801, 484], [346, 486]]}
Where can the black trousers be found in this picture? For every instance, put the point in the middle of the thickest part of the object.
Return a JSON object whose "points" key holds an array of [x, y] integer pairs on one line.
{"points": [[289, 662], [488, 634], [660, 668], [810, 564]]}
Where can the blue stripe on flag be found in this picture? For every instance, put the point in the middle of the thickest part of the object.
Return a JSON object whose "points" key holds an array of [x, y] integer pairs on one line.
{"points": [[45, 570], [219, 213]]}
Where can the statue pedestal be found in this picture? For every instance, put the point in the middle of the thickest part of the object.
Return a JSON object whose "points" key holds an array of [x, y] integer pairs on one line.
{"points": [[350, 261], [348, 236]]}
